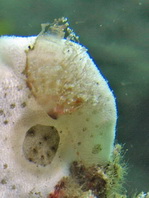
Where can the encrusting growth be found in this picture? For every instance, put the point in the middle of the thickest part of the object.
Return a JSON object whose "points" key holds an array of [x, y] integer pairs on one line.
{"points": [[94, 181]]}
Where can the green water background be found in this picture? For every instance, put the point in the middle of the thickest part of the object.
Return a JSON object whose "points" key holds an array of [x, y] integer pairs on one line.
{"points": [[116, 32]]}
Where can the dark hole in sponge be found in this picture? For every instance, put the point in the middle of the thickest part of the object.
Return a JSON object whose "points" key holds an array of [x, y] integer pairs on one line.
{"points": [[39, 141]]}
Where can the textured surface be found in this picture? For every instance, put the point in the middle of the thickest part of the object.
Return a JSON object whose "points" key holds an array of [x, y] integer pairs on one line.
{"points": [[116, 33], [55, 107], [40, 144]]}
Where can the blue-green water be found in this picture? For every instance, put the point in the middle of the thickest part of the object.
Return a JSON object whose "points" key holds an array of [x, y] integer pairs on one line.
{"points": [[116, 32]]}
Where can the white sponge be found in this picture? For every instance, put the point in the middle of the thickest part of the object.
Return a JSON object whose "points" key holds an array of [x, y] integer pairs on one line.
{"points": [[55, 107]]}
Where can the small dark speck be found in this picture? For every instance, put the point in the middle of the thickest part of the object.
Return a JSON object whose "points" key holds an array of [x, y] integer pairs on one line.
{"points": [[30, 159], [35, 151], [48, 154], [3, 181], [1, 112], [23, 104], [84, 129], [96, 149], [30, 47], [45, 138], [42, 157], [6, 122], [12, 106], [53, 148], [79, 143], [13, 187], [5, 166]]}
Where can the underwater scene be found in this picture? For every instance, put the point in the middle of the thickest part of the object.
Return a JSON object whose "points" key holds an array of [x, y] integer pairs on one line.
{"points": [[74, 99]]}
